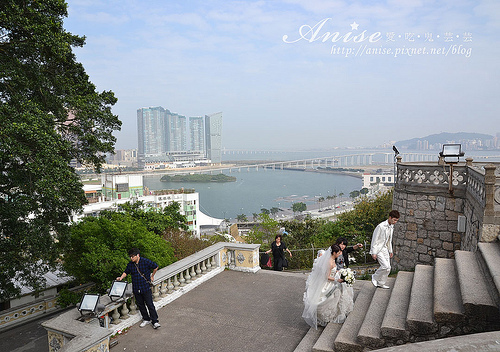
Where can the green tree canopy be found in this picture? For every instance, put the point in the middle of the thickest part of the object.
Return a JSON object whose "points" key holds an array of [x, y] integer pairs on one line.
{"points": [[299, 207], [96, 249], [50, 114], [264, 232], [241, 218], [156, 220]]}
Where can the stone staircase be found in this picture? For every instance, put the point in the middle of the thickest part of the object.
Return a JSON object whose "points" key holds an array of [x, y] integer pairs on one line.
{"points": [[454, 297]]}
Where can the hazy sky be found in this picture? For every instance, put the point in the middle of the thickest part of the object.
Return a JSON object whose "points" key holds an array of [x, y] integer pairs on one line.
{"points": [[298, 74]]}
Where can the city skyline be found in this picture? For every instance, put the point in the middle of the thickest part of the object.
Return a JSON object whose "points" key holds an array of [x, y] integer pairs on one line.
{"points": [[295, 75], [163, 136]]}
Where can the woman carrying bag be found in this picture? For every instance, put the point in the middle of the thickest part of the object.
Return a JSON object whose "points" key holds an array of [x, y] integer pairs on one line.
{"points": [[278, 247]]}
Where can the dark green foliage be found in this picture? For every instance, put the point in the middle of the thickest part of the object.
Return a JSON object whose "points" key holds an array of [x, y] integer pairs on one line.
{"points": [[96, 249], [264, 232], [67, 298], [156, 220], [299, 207], [50, 114]]}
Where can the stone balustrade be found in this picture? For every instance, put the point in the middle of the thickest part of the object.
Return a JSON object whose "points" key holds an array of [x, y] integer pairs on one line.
{"points": [[22, 314], [431, 177], [66, 333]]}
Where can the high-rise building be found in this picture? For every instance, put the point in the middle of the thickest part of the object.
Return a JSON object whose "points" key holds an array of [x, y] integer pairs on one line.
{"points": [[196, 135], [213, 137], [176, 132], [152, 139]]}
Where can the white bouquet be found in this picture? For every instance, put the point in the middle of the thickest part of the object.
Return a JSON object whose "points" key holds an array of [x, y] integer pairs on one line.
{"points": [[347, 275]]}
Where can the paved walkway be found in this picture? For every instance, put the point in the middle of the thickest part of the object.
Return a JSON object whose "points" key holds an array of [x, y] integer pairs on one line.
{"points": [[233, 311]]}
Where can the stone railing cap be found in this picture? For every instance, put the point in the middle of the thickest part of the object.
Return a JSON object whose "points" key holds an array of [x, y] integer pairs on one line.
{"points": [[84, 335], [193, 259]]}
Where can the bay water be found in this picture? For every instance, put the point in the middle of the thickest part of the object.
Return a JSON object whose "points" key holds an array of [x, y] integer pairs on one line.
{"points": [[254, 190]]}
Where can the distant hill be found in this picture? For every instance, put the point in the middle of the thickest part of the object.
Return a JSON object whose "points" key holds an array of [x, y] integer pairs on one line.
{"points": [[444, 137]]}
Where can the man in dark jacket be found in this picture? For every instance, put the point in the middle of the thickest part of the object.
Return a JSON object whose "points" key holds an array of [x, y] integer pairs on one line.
{"points": [[143, 272]]}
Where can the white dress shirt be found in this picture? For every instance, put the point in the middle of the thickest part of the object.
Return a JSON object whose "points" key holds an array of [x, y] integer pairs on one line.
{"points": [[382, 238]]}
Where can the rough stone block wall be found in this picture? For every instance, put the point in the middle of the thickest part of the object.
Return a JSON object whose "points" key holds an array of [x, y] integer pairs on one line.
{"points": [[427, 228]]}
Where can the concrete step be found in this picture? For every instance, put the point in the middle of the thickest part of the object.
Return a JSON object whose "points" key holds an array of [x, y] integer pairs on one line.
{"points": [[346, 340], [308, 341], [420, 317], [394, 322], [369, 334], [325, 341], [474, 288], [448, 307], [491, 256], [327, 337]]}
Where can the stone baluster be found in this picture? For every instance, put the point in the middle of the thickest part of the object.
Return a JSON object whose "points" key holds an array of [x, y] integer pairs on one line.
{"points": [[176, 283], [213, 262], [203, 267], [125, 311], [198, 270], [170, 285], [133, 307], [116, 317], [193, 273], [182, 280], [208, 265], [164, 289], [187, 277], [156, 293]]}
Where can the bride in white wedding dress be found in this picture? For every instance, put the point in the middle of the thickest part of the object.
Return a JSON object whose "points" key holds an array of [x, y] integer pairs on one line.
{"points": [[327, 298]]}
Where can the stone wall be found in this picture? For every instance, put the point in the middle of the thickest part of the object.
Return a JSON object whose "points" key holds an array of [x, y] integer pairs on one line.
{"points": [[430, 208], [427, 228]]}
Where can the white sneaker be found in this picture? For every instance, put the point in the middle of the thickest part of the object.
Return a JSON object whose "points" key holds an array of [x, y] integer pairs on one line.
{"points": [[156, 325], [383, 286], [374, 282], [144, 323]]}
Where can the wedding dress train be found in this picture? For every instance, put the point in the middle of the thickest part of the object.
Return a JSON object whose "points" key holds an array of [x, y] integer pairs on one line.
{"points": [[325, 300], [335, 303]]}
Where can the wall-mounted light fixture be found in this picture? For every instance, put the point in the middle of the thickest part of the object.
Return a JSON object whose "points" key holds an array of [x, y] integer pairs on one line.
{"points": [[451, 154]]}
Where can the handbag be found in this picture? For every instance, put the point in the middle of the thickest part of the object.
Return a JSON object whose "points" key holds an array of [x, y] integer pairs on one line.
{"points": [[269, 263]]}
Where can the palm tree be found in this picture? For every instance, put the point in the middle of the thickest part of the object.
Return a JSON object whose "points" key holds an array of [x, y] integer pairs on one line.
{"points": [[320, 200], [241, 218], [274, 211]]}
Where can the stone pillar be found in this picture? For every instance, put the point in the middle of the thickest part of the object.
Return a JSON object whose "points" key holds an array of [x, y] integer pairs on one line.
{"points": [[490, 230], [489, 180]]}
